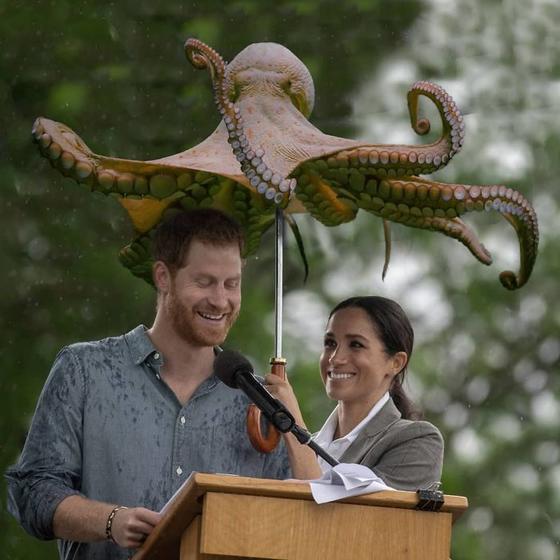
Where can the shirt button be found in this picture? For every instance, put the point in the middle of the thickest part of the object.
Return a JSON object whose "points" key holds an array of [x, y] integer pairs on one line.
{"points": [[156, 356], [179, 471], [183, 420]]}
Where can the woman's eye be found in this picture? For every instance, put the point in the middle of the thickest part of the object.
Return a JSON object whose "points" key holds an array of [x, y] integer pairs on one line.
{"points": [[329, 343], [356, 344]]}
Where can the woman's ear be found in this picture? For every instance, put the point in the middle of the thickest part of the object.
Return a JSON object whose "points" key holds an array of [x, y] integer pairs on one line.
{"points": [[161, 276], [399, 360]]}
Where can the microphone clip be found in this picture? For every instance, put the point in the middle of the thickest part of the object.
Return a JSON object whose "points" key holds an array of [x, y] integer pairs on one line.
{"points": [[430, 499]]}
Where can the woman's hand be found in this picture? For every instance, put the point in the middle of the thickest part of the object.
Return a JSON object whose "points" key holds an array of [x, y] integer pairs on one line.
{"points": [[282, 390], [132, 526], [303, 460]]}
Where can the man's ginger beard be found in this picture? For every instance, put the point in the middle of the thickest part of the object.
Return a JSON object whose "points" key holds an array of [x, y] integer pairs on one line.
{"points": [[184, 319]]}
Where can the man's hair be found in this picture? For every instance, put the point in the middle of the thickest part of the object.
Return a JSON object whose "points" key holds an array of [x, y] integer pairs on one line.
{"points": [[175, 234]]}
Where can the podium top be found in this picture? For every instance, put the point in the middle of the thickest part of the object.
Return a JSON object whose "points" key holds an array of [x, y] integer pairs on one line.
{"points": [[187, 504]]}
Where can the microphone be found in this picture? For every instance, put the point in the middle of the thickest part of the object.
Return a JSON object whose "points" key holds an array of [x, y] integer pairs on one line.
{"points": [[233, 369]]}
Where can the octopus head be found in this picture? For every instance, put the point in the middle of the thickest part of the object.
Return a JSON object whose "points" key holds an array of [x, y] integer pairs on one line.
{"points": [[272, 67]]}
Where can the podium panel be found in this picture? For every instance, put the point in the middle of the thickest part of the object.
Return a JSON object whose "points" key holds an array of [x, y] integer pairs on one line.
{"points": [[286, 529], [221, 517]]}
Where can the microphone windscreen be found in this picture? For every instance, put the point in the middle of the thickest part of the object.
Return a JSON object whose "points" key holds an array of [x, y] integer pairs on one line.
{"points": [[228, 363]]}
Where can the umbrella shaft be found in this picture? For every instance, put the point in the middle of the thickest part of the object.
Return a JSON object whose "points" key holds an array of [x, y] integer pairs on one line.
{"points": [[278, 281]]}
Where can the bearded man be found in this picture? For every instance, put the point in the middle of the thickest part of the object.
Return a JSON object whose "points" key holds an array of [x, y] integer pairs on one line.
{"points": [[122, 422]]}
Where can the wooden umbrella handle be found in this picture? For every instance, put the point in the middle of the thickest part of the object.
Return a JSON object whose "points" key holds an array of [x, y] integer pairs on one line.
{"points": [[262, 443]]}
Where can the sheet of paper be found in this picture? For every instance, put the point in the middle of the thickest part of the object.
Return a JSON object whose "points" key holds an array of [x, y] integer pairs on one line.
{"points": [[345, 480], [172, 499]]}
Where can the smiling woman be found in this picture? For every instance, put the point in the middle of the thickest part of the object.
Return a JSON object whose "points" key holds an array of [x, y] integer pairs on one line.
{"points": [[368, 343]]}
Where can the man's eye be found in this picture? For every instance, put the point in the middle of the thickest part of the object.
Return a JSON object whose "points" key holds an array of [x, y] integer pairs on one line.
{"points": [[232, 284], [203, 282]]}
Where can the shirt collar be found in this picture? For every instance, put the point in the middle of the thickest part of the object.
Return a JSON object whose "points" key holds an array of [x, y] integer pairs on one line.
{"points": [[141, 348], [373, 412], [326, 433], [140, 345]]}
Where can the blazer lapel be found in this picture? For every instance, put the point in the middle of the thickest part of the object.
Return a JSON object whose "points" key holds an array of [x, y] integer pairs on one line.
{"points": [[371, 433]]}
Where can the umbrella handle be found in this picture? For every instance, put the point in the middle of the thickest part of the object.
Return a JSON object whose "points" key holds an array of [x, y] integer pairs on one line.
{"points": [[262, 443]]}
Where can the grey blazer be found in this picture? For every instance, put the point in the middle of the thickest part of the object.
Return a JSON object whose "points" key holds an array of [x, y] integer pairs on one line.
{"points": [[406, 454]]}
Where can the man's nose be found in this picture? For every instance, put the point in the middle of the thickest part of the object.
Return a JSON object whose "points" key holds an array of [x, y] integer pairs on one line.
{"points": [[218, 297]]}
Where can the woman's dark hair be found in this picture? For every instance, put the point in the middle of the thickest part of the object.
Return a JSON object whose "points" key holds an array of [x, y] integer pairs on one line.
{"points": [[395, 332]]}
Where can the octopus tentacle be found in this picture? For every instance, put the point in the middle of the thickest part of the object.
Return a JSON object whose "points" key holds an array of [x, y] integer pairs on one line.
{"points": [[66, 151], [419, 214], [459, 230], [267, 182], [453, 133], [429, 205], [137, 257], [323, 199], [248, 208], [528, 235], [300, 245], [387, 237], [401, 160], [148, 189]]}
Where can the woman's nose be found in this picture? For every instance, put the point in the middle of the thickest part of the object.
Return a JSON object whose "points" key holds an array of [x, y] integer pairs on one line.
{"points": [[337, 356]]}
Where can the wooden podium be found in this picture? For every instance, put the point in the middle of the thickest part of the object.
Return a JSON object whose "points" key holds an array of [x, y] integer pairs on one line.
{"points": [[216, 517]]}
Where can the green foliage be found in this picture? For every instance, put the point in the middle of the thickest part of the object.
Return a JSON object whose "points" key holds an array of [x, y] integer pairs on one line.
{"points": [[67, 98], [486, 362]]}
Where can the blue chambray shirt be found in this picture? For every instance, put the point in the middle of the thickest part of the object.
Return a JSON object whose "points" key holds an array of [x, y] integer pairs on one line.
{"points": [[108, 428]]}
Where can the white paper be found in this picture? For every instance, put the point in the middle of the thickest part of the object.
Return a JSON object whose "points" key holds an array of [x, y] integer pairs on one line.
{"points": [[345, 480], [172, 499]]}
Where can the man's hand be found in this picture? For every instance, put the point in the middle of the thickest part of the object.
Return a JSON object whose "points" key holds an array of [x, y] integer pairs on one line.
{"points": [[82, 520], [132, 526]]}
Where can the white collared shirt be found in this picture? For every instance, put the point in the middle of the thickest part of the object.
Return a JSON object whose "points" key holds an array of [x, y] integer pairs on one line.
{"points": [[337, 447]]}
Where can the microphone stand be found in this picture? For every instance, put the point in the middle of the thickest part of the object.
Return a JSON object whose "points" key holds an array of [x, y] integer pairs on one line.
{"points": [[304, 437]]}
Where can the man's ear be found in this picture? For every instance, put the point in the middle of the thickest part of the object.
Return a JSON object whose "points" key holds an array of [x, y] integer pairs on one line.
{"points": [[161, 276]]}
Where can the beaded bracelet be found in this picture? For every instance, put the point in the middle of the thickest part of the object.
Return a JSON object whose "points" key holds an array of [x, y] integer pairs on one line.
{"points": [[109, 526]]}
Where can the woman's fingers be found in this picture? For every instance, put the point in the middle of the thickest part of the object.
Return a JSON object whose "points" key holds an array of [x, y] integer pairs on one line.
{"points": [[278, 387], [282, 390], [272, 379]]}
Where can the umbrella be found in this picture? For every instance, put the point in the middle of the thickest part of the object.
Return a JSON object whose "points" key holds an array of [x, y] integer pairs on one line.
{"points": [[266, 162]]}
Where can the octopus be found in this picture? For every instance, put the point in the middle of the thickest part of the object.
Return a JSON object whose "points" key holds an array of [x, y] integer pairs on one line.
{"points": [[265, 154]]}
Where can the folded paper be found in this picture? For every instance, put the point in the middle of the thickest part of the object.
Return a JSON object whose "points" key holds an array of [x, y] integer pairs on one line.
{"points": [[345, 480]]}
